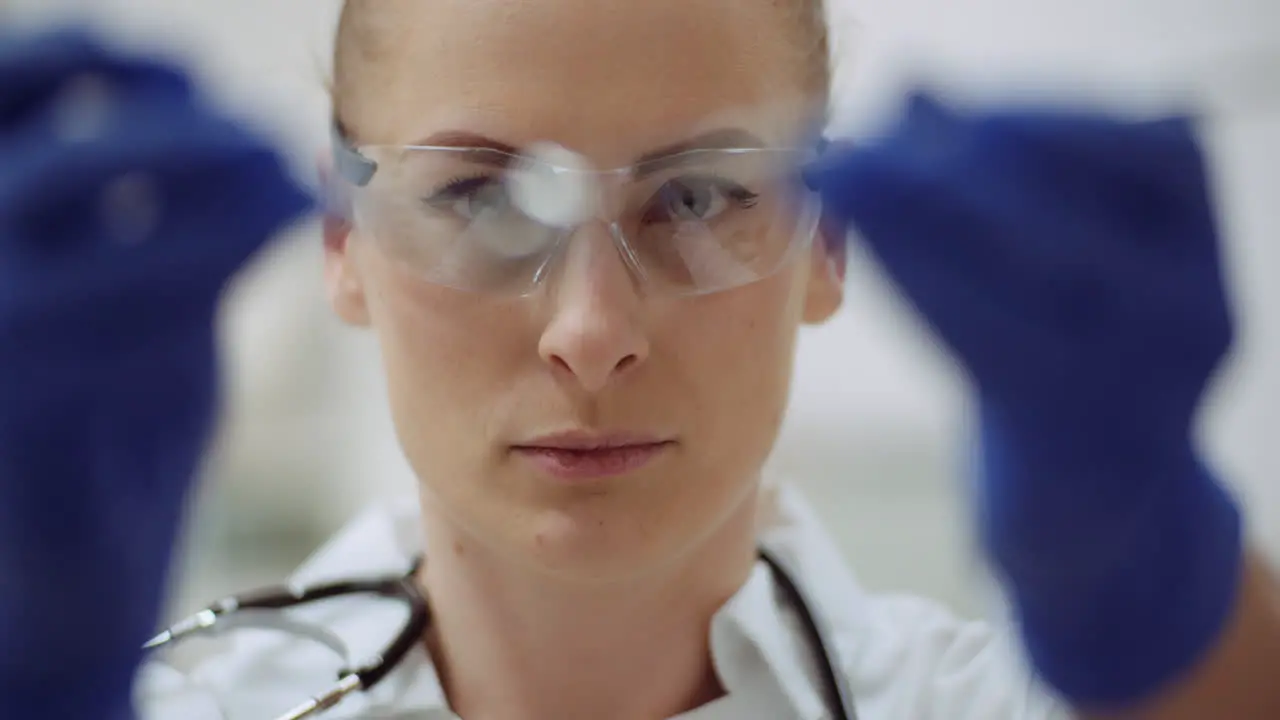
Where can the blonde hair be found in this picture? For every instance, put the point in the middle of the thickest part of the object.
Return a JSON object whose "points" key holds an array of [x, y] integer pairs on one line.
{"points": [[362, 33]]}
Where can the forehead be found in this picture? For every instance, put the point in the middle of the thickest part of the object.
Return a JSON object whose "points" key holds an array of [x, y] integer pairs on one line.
{"points": [[610, 78]]}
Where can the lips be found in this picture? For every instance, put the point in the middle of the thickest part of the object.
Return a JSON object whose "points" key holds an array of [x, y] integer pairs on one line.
{"points": [[577, 457]]}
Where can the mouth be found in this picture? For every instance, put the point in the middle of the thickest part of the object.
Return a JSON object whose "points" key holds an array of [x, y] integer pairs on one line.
{"points": [[578, 457]]}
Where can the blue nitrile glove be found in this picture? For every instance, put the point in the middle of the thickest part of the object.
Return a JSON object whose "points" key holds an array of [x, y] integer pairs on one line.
{"points": [[1070, 263], [125, 206]]}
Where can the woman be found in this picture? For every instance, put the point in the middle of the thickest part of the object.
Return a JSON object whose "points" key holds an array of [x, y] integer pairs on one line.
{"points": [[589, 453], [588, 412]]}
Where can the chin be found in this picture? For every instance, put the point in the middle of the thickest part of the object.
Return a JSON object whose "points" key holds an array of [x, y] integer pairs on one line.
{"points": [[590, 542]]}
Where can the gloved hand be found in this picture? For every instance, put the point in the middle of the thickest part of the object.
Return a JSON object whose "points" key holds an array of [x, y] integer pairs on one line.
{"points": [[125, 206], [1069, 261]]}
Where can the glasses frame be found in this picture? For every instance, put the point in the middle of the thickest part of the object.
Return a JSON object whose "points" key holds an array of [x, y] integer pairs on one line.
{"points": [[354, 167]]}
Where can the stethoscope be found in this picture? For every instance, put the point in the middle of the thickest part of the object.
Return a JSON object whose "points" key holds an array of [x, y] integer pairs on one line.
{"points": [[261, 608]]}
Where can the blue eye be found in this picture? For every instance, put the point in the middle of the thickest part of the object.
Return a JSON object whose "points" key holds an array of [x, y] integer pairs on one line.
{"points": [[470, 197], [698, 199]]}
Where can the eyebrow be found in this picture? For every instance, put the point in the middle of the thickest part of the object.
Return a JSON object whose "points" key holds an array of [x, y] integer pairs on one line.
{"points": [[498, 153], [719, 139], [486, 150]]}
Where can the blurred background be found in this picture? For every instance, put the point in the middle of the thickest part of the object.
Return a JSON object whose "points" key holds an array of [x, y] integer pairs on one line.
{"points": [[875, 435]]}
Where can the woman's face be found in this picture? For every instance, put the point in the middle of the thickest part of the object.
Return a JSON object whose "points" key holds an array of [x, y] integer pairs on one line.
{"points": [[473, 377]]}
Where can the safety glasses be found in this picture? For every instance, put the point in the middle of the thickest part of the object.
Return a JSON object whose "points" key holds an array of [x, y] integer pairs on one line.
{"points": [[484, 220]]}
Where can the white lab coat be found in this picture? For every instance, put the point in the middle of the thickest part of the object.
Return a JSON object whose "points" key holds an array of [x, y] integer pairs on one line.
{"points": [[905, 658]]}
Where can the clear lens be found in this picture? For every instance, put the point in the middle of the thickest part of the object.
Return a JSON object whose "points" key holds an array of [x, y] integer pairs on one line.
{"points": [[691, 223]]}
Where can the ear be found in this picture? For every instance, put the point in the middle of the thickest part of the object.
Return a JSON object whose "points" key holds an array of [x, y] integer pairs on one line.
{"points": [[341, 272], [828, 260]]}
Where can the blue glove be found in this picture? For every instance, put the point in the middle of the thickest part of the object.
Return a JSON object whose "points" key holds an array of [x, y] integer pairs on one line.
{"points": [[1069, 262], [125, 206]]}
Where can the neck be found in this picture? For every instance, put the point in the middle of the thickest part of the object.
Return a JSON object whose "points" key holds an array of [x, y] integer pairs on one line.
{"points": [[511, 643]]}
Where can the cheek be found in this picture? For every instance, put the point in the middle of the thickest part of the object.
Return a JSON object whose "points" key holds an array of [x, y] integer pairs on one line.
{"points": [[738, 348], [448, 356]]}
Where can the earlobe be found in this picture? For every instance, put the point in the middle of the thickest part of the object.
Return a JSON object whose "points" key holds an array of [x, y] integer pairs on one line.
{"points": [[342, 279], [826, 280]]}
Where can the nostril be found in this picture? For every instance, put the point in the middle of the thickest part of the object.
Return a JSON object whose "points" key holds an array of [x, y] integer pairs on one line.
{"points": [[561, 364]]}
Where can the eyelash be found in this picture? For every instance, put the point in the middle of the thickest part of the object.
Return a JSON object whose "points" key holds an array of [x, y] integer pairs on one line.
{"points": [[738, 193], [459, 187]]}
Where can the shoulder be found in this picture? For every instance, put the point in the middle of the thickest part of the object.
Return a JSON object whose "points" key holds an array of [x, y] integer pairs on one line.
{"points": [[909, 657], [905, 656]]}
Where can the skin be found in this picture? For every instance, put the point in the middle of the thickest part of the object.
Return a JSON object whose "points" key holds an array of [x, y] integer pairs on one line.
{"points": [[550, 598]]}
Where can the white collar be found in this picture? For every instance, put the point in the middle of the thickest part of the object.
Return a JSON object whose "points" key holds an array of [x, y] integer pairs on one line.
{"points": [[757, 626], [903, 657], [757, 642]]}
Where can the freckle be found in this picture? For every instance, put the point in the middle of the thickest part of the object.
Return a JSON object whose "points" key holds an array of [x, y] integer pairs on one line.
{"points": [[457, 548]]}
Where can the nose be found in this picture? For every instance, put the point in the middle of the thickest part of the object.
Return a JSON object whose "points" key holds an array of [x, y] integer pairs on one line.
{"points": [[594, 334]]}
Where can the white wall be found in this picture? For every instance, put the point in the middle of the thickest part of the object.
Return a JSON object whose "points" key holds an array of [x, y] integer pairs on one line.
{"points": [[874, 430]]}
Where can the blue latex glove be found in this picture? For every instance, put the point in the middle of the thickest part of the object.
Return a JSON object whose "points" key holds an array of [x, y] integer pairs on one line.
{"points": [[125, 205], [1069, 262]]}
